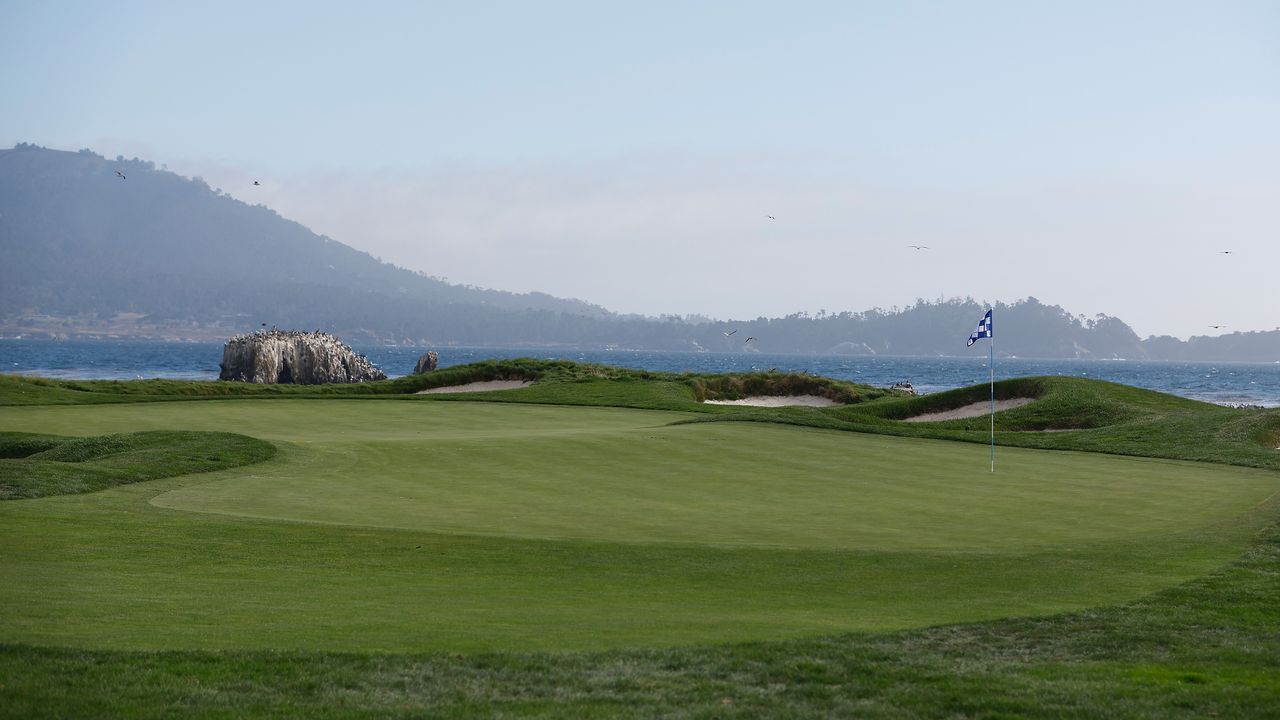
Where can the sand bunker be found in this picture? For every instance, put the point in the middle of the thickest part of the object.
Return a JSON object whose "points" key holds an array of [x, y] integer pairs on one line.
{"points": [[479, 387], [778, 401], [977, 409]]}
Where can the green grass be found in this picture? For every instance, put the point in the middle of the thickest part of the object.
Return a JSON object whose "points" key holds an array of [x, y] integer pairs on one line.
{"points": [[34, 466], [414, 525], [1207, 648], [424, 521], [545, 554]]}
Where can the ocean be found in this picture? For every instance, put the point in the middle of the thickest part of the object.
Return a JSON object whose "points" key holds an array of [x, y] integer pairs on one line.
{"points": [[1223, 383]]}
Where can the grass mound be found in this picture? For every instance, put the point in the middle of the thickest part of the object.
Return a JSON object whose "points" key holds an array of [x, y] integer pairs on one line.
{"points": [[570, 382], [41, 465], [1062, 404], [738, 386]]}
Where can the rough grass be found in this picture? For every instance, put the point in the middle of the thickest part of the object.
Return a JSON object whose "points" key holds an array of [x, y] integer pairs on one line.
{"points": [[737, 386], [34, 466]]}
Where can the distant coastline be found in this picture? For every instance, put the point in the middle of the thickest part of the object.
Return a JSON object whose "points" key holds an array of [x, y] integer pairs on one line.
{"points": [[163, 258], [1247, 347], [1225, 383]]}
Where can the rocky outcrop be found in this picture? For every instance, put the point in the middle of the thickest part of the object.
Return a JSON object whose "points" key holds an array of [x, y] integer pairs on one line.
{"points": [[301, 358], [904, 387], [426, 363]]}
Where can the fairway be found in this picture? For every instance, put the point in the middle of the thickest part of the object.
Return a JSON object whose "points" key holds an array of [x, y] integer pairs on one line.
{"points": [[416, 525]]}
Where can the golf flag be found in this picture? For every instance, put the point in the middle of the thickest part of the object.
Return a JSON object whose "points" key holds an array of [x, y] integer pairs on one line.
{"points": [[983, 331]]}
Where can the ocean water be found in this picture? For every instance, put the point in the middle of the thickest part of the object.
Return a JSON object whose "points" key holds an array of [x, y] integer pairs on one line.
{"points": [[1223, 383]]}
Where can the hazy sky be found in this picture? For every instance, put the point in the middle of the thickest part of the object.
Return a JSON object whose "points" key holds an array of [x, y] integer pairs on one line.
{"points": [[1094, 155]]}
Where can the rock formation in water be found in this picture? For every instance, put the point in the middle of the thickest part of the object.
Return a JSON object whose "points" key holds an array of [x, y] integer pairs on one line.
{"points": [[301, 358], [904, 387], [426, 363]]}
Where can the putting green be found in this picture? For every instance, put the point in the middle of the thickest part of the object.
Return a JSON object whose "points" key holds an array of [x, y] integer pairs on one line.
{"points": [[410, 525]]}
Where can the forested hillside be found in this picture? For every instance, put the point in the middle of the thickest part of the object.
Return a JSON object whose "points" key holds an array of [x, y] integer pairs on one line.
{"points": [[117, 248], [80, 239]]}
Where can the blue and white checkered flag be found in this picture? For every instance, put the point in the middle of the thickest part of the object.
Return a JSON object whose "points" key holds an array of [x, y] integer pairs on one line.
{"points": [[983, 331]]}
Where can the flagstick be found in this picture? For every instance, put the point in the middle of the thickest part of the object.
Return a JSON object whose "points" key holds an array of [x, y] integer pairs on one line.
{"points": [[991, 363]]}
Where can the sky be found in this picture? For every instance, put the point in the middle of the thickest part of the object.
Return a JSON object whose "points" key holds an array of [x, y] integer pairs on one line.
{"points": [[1100, 156]]}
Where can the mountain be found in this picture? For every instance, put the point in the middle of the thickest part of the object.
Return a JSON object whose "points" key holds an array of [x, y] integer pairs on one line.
{"points": [[80, 241], [153, 254]]}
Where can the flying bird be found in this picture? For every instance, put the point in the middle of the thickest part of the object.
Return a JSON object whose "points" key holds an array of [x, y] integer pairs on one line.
{"points": [[744, 342], [919, 247], [120, 175], [1217, 327], [1224, 252], [727, 334], [255, 182], [771, 217]]}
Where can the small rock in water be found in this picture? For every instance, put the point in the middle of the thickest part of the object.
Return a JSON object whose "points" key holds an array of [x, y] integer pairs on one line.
{"points": [[426, 363], [904, 387]]}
